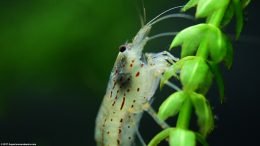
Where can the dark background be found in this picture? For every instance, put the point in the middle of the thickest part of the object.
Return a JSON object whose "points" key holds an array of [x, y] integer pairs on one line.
{"points": [[56, 57]]}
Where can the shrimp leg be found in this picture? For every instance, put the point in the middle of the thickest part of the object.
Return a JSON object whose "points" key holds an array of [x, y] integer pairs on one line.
{"points": [[140, 138], [148, 108]]}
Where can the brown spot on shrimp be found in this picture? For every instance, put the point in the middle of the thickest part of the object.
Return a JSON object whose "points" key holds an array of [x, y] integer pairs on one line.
{"points": [[137, 74], [114, 103], [123, 103]]}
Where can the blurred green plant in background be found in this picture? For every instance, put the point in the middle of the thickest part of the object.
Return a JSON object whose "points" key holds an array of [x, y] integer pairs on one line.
{"points": [[55, 56], [48, 40]]}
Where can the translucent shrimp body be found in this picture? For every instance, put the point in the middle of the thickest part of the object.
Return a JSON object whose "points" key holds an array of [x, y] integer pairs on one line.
{"points": [[133, 82]]}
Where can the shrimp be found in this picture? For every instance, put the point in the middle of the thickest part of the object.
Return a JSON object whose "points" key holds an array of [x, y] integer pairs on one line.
{"points": [[132, 84]]}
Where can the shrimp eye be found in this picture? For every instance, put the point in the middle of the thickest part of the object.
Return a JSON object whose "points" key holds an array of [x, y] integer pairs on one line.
{"points": [[122, 48]]}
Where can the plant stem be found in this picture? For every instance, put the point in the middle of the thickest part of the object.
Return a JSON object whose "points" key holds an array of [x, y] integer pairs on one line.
{"points": [[215, 20], [202, 50], [184, 115], [217, 17]]}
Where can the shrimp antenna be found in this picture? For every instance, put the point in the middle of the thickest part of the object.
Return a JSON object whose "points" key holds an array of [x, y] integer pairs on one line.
{"points": [[173, 8], [163, 35], [144, 12], [141, 13], [178, 15], [141, 20]]}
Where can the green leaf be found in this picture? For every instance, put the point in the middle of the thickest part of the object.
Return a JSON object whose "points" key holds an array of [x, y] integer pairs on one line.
{"points": [[210, 34], [216, 44], [219, 79], [228, 59], [190, 4], [244, 3], [172, 71], [239, 17], [229, 13], [188, 49], [205, 8], [187, 37], [203, 112], [181, 137], [172, 105], [204, 86], [201, 139], [160, 136], [193, 73]]}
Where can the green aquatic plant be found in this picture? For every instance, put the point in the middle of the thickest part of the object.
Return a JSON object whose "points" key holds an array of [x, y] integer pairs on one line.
{"points": [[204, 47]]}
